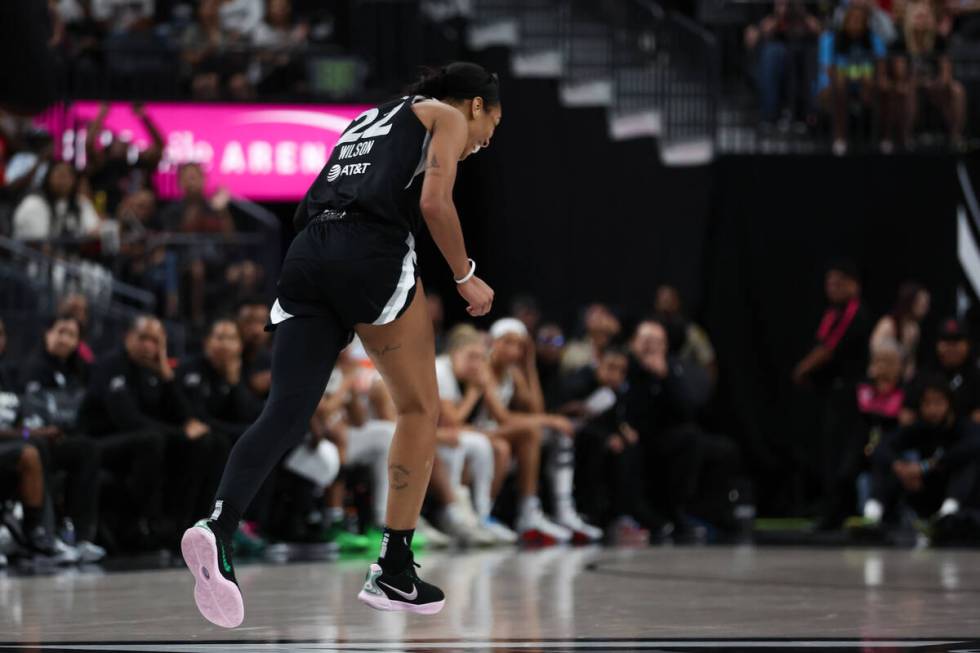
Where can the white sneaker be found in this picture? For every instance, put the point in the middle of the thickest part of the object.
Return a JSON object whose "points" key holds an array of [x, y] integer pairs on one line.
{"points": [[3, 561], [90, 552], [582, 533], [8, 544], [65, 554], [534, 528], [434, 539], [873, 511], [501, 533], [950, 507], [463, 525]]}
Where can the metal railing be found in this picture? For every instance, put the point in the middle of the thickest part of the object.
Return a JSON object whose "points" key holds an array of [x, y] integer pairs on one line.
{"points": [[655, 60], [32, 284], [61, 276]]}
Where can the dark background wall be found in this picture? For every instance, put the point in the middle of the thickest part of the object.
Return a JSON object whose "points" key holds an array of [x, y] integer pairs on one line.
{"points": [[775, 222]]}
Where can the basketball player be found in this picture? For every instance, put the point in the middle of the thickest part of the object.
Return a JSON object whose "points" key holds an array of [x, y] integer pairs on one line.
{"points": [[351, 268]]}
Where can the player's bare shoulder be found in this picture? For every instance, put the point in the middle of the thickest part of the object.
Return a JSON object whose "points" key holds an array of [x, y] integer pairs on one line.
{"points": [[434, 114]]}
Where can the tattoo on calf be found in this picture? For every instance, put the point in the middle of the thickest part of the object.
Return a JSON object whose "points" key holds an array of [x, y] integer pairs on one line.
{"points": [[399, 477]]}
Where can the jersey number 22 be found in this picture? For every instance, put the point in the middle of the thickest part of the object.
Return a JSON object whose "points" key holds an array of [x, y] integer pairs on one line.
{"points": [[366, 127]]}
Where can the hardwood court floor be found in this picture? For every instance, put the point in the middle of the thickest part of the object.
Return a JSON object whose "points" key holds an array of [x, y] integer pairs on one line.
{"points": [[548, 600]]}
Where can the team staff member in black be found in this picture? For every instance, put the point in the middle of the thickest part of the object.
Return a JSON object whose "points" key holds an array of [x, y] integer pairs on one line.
{"points": [[56, 376], [352, 268], [214, 386], [136, 412]]}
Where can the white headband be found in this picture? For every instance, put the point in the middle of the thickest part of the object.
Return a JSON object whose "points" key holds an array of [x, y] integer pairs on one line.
{"points": [[507, 326]]}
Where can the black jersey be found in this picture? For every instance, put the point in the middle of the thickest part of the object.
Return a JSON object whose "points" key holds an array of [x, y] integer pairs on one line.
{"points": [[375, 167]]}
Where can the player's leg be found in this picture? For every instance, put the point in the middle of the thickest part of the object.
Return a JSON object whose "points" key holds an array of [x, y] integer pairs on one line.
{"points": [[303, 355], [404, 353]]}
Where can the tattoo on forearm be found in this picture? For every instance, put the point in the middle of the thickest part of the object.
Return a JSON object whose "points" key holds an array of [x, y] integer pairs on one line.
{"points": [[380, 353], [399, 477]]}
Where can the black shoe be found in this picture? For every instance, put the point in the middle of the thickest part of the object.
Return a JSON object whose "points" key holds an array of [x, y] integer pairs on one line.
{"points": [[401, 592], [207, 555]]}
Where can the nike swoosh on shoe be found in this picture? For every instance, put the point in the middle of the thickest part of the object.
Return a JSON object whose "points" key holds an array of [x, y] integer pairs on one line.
{"points": [[407, 596]]}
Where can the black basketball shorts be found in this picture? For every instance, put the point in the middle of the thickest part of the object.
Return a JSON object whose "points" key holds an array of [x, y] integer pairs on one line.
{"points": [[355, 269]]}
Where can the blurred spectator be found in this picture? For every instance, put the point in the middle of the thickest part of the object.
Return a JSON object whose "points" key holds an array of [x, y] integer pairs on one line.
{"points": [[879, 405], [699, 468], [195, 213], [280, 66], [22, 474], [851, 70], [470, 394], [903, 324], [76, 305], [525, 308], [22, 477], [550, 348], [840, 355], [57, 365], [144, 261], [513, 367], [956, 364], [253, 315], [931, 464], [688, 340], [212, 65], [54, 381], [836, 363], [785, 44], [28, 160], [213, 383], [121, 15], [601, 327], [83, 33], [881, 22], [58, 210], [606, 446], [461, 375], [365, 443], [924, 73], [135, 408], [241, 19], [108, 167]]}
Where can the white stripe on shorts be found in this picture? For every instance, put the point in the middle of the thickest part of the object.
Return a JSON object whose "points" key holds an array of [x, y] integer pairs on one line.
{"points": [[405, 283], [277, 314]]}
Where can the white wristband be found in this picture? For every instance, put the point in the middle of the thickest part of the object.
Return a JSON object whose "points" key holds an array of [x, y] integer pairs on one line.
{"points": [[469, 275]]}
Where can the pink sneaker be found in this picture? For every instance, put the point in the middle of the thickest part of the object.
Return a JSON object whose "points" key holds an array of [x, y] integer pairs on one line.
{"points": [[216, 591]]}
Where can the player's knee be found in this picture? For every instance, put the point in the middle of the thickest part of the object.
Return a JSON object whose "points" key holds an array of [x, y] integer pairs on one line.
{"points": [[420, 406]]}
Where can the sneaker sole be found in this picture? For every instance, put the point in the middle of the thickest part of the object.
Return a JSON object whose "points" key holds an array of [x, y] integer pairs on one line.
{"points": [[219, 600], [385, 604]]}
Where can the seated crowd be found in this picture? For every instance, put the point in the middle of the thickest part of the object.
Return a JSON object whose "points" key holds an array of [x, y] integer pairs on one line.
{"points": [[190, 253], [540, 441], [877, 70], [900, 421]]}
